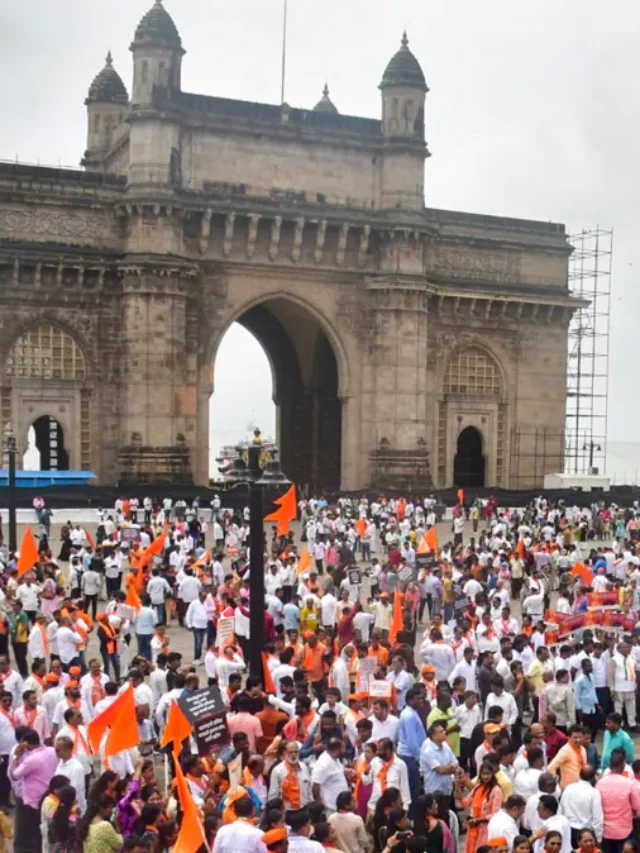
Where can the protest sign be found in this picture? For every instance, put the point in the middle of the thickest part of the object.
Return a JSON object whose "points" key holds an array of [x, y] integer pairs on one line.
{"points": [[124, 611], [355, 577], [206, 712], [406, 574], [380, 689], [225, 631], [365, 672]]}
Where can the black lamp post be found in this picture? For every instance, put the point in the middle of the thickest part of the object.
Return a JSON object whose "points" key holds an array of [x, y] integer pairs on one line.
{"points": [[11, 456], [591, 447], [259, 482]]}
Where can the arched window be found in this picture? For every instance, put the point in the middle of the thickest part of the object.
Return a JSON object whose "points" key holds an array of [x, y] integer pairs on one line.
{"points": [[472, 371], [45, 352]]}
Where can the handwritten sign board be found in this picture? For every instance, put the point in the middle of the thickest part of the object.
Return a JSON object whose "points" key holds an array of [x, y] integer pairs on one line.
{"points": [[124, 611], [365, 672], [380, 689], [225, 631], [406, 574], [206, 712]]}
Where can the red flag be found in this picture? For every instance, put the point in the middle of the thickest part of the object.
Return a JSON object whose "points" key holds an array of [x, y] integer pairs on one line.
{"points": [[432, 538], [123, 731], [191, 836], [269, 686], [28, 555], [396, 619], [177, 729], [287, 512], [89, 539], [98, 726]]}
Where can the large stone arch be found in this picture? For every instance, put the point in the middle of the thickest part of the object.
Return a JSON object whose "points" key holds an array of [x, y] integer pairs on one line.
{"points": [[45, 372], [311, 371]]}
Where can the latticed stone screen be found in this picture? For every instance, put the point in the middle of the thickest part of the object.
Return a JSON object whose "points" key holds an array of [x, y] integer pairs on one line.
{"points": [[472, 371], [46, 352]]}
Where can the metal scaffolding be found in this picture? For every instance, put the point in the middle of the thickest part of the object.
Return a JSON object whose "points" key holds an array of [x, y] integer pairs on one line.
{"points": [[588, 362]]}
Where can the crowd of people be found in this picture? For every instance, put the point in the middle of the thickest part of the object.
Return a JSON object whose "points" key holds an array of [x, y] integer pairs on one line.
{"points": [[415, 696]]}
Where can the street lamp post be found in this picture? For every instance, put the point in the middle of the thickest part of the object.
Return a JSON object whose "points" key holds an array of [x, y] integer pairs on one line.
{"points": [[591, 447], [11, 455], [259, 481]]}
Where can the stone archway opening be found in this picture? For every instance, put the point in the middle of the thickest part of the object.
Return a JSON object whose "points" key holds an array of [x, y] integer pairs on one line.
{"points": [[45, 446], [304, 387], [469, 463]]}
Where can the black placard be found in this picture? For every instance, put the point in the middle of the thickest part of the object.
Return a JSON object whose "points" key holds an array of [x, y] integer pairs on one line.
{"points": [[207, 714], [425, 561]]}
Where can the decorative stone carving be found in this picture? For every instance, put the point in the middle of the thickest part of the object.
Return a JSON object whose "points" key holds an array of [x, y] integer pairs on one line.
{"points": [[343, 236], [297, 239], [478, 265], [57, 225], [227, 243], [252, 234], [274, 246], [364, 245], [321, 234]]}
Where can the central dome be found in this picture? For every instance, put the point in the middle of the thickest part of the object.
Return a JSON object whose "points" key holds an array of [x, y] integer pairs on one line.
{"points": [[157, 27]]}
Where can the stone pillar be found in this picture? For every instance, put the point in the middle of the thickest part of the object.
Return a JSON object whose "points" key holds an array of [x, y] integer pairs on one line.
{"points": [[159, 404], [395, 406]]}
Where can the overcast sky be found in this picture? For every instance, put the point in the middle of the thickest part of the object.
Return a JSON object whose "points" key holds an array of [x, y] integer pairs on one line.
{"points": [[533, 112]]}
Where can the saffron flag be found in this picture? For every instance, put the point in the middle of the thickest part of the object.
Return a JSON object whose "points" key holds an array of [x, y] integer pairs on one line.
{"points": [[90, 539], [287, 512], [422, 548], [123, 731], [204, 559], [583, 572], [520, 548], [432, 539], [154, 550], [396, 619], [269, 686], [28, 555], [461, 496], [177, 729], [133, 599], [191, 836], [304, 561], [98, 726]]}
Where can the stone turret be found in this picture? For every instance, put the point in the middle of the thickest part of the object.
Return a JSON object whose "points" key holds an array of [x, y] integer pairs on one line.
{"points": [[325, 104], [404, 89], [157, 54], [107, 104]]}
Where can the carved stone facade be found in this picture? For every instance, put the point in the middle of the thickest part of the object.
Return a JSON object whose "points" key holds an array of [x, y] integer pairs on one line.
{"points": [[309, 228]]}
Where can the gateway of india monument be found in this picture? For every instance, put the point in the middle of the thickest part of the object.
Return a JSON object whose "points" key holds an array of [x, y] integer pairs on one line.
{"points": [[411, 347]]}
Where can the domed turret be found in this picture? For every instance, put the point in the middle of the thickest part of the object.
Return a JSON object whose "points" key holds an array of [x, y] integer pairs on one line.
{"points": [[157, 54], [157, 27], [325, 104], [404, 70], [107, 86]]}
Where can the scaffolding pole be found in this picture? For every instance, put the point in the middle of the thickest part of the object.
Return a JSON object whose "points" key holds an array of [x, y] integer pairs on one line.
{"points": [[588, 357]]}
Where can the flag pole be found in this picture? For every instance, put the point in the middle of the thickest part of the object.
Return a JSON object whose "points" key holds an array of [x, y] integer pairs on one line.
{"points": [[284, 52]]}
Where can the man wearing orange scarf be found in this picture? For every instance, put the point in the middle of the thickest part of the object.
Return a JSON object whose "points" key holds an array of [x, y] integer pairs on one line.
{"points": [[387, 771], [570, 759], [290, 780]]}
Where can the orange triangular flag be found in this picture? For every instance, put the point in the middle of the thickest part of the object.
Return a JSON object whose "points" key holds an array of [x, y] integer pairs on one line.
{"points": [[28, 553], [432, 539], [396, 619], [304, 561], [133, 599], [423, 548], [287, 512], [520, 548], [89, 539], [269, 686], [98, 726], [204, 559], [154, 550], [191, 836], [360, 527], [177, 729], [123, 731], [584, 572]]}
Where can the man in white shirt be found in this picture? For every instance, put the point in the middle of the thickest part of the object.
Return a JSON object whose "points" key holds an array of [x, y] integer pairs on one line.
{"points": [[551, 820], [396, 774], [400, 679], [526, 781], [224, 665], [158, 591], [506, 822], [581, 804], [68, 642], [90, 587], [499, 696], [70, 767], [440, 655], [28, 594], [241, 836], [188, 590], [328, 608], [467, 669], [328, 778], [11, 681], [385, 725]]}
